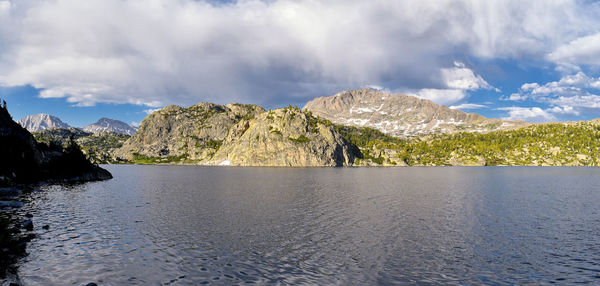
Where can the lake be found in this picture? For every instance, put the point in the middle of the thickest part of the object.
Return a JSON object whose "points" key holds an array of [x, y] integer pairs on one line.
{"points": [[188, 225]]}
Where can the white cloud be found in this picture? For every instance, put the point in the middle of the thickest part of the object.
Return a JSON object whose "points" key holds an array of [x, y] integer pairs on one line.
{"points": [[440, 96], [4, 7], [375, 87], [161, 51], [569, 95], [584, 50], [564, 110], [461, 77], [134, 124], [151, 110], [531, 114], [468, 106], [537, 114], [457, 81], [578, 101]]}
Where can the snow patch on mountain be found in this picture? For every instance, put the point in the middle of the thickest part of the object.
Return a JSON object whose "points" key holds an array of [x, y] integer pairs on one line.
{"points": [[112, 125]]}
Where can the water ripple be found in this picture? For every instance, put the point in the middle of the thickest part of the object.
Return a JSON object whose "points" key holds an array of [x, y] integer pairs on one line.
{"points": [[174, 225]]}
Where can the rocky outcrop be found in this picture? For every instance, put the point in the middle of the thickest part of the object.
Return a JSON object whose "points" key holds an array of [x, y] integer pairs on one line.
{"points": [[401, 115], [110, 125], [24, 160], [98, 147], [193, 133], [39, 122], [283, 137], [236, 135]]}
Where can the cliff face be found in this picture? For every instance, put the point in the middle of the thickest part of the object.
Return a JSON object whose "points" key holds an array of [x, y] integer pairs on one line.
{"points": [[237, 135], [283, 137], [193, 133], [400, 115], [24, 160]]}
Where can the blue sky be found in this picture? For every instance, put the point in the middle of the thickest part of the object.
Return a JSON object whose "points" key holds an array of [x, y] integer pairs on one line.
{"points": [[535, 60]]}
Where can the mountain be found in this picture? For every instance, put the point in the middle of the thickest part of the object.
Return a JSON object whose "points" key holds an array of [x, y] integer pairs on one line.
{"points": [[42, 121], [247, 135], [401, 115], [548, 144], [24, 160], [107, 124], [283, 137], [237, 135], [98, 147], [178, 133]]}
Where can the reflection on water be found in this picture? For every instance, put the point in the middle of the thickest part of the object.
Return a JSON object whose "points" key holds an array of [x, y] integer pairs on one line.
{"points": [[210, 225]]}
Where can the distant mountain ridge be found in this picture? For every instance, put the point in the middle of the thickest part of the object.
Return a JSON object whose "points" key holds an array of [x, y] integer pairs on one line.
{"points": [[400, 115], [41, 121], [106, 124]]}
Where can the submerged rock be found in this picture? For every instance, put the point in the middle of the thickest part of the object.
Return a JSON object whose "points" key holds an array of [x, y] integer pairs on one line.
{"points": [[10, 204], [10, 192], [28, 225]]}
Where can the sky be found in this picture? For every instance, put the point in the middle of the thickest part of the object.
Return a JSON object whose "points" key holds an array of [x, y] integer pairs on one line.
{"points": [[535, 60]]}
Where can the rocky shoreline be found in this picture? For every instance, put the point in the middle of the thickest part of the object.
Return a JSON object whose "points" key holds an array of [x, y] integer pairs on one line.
{"points": [[16, 230], [25, 165]]}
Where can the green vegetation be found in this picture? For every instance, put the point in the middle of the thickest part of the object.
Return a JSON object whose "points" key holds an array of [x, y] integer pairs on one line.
{"points": [[249, 109], [546, 144], [300, 139], [215, 144], [97, 148], [313, 122], [145, 160], [276, 131]]}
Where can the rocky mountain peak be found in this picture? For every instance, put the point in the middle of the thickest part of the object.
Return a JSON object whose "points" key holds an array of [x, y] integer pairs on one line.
{"points": [[110, 125], [41, 121], [401, 115]]}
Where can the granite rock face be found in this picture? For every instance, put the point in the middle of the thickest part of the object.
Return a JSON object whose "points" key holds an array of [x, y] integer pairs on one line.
{"points": [[193, 133], [236, 135], [400, 115], [283, 137]]}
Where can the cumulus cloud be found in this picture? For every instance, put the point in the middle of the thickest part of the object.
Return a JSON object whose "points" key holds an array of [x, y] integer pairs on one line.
{"points": [[583, 51], [466, 106], [569, 95], [440, 96], [457, 81], [464, 78], [564, 110], [151, 110], [537, 114], [530, 114], [272, 52]]}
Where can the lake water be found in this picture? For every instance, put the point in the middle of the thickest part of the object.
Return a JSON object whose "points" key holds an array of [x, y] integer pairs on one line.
{"points": [[186, 225]]}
